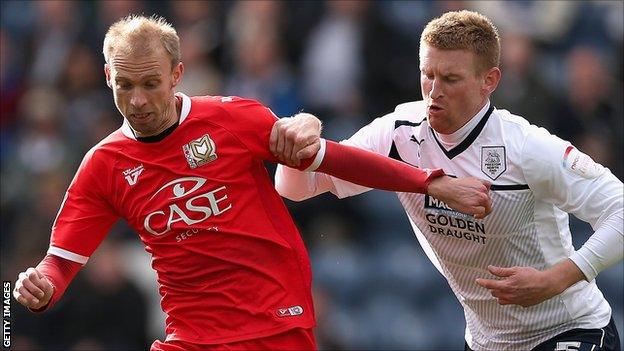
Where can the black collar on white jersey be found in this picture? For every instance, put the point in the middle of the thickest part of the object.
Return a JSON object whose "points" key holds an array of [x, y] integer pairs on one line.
{"points": [[469, 139]]}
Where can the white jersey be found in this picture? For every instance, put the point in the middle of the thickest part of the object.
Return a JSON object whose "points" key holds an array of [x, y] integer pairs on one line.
{"points": [[536, 179]]}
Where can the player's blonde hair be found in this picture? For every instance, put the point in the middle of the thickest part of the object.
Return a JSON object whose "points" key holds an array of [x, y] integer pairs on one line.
{"points": [[465, 30], [137, 32]]}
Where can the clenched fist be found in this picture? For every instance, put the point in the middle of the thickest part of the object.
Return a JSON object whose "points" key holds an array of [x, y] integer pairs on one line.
{"points": [[467, 195], [295, 138], [32, 289]]}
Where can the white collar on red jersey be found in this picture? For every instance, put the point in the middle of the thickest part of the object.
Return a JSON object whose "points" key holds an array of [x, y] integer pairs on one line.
{"points": [[126, 129]]}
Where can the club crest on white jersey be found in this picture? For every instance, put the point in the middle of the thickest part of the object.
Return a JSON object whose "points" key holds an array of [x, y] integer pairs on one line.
{"points": [[493, 161], [132, 174], [200, 151]]}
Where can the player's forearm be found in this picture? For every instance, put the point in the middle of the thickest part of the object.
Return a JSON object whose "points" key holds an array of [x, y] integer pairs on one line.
{"points": [[562, 276], [60, 272], [296, 185], [603, 249], [370, 169]]}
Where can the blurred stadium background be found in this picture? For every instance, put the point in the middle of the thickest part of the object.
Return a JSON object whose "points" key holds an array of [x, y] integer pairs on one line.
{"points": [[347, 62]]}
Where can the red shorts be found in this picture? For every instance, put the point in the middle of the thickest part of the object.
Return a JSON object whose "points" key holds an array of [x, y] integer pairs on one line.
{"points": [[297, 339]]}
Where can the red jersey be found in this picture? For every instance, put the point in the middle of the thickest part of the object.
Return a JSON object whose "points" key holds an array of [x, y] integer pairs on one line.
{"points": [[231, 264]]}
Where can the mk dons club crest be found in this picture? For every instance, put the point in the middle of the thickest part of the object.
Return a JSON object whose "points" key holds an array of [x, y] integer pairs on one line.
{"points": [[493, 161], [200, 151]]}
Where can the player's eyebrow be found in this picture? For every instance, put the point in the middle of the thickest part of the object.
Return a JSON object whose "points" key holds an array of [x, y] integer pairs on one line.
{"points": [[151, 76]]}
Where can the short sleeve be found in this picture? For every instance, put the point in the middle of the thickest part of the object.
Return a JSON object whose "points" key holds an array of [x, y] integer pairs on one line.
{"points": [[251, 122], [85, 216]]}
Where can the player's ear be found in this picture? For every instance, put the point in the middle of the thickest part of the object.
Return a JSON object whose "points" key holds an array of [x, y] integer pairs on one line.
{"points": [[178, 71], [491, 80], [107, 74]]}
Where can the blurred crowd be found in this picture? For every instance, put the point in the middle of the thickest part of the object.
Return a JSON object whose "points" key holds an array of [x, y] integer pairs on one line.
{"points": [[345, 61]]}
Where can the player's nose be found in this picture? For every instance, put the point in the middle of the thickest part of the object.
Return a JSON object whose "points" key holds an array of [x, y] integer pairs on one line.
{"points": [[436, 90], [138, 99]]}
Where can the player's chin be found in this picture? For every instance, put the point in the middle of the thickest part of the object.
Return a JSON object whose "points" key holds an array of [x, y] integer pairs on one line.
{"points": [[142, 127], [437, 123]]}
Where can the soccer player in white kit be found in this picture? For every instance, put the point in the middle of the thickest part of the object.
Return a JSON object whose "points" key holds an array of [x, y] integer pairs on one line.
{"points": [[519, 279]]}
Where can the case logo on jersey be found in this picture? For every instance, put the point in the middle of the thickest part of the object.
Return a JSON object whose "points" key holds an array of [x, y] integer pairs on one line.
{"points": [[289, 311], [191, 211], [493, 161], [200, 151], [132, 174]]}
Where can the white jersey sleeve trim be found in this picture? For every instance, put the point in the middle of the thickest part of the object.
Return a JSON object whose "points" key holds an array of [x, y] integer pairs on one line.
{"points": [[68, 255], [318, 159]]}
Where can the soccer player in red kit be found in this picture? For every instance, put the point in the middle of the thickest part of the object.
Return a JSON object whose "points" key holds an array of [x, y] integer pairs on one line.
{"points": [[187, 174]]}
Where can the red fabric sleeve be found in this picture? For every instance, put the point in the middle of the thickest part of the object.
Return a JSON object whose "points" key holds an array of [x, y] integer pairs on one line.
{"points": [[372, 170], [60, 272], [251, 122], [85, 216]]}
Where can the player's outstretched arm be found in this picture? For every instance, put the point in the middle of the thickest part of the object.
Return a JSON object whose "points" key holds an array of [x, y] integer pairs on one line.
{"points": [[294, 139], [372, 170]]}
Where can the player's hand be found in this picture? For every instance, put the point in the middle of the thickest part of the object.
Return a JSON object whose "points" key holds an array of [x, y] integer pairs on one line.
{"points": [[524, 286], [527, 286], [467, 195], [296, 138], [32, 289]]}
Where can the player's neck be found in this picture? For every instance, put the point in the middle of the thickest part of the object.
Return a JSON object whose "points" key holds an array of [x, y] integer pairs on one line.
{"points": [[167, 128], [175, 115]]}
